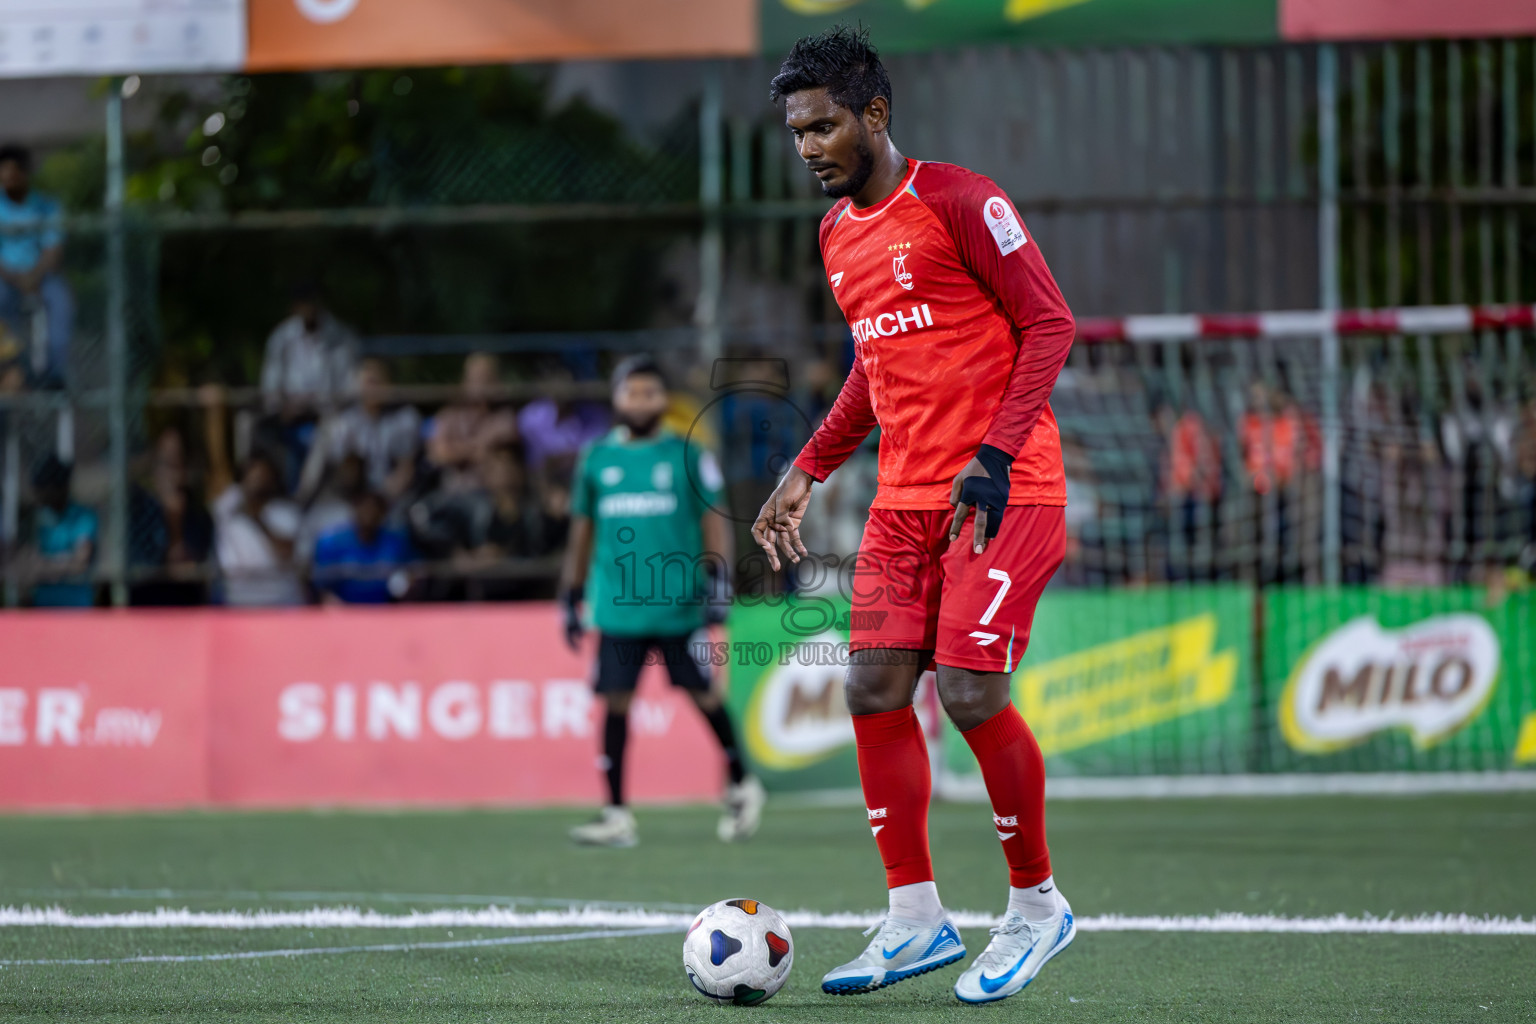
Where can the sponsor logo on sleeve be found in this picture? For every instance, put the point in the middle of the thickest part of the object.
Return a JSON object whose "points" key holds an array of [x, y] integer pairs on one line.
{"points": [[1004, 225], [1430, 678]]}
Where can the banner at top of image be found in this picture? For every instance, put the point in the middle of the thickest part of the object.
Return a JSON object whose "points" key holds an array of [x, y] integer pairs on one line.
{"points": [[41, 38], [905, 25], [298, 34]]}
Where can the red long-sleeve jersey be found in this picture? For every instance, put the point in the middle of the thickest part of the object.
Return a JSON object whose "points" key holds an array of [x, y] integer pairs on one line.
{"points": [[959, 334]]}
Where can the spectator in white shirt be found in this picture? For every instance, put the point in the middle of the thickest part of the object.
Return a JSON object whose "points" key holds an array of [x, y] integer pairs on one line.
{"points": [[255, 531], [310, 359], [307, 372]]}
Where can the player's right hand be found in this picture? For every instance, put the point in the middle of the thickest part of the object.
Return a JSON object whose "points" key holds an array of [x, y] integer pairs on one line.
{"points": [[778, 524], [570, 601]]}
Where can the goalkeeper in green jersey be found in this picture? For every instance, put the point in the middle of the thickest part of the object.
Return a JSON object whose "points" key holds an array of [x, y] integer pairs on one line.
{"points": [[649, 557]]}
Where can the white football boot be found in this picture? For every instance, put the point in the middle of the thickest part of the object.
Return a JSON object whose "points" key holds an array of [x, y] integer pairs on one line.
{"points": [[616, 827], [899, 950], [743, 810], [1018, 950]]}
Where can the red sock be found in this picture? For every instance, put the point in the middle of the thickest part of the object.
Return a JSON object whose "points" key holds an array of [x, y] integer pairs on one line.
{"points": [[1014, 772], [893, 767]]}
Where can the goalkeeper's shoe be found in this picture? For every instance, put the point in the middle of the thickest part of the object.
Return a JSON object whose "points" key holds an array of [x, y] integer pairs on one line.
{"points": [[743, 811], [1018, 950], [899, 950], [615, 827]]}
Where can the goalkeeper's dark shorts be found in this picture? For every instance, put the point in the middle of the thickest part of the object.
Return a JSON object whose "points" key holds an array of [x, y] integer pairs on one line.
{"points": [[620, 659]]}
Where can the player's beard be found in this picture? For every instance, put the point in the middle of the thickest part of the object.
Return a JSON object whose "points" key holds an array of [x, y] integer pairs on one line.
{"points": [[858, 177], [641, 427]]}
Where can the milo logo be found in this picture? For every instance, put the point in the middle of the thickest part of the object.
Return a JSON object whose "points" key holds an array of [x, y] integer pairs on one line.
{"points": [[1430, 678]]}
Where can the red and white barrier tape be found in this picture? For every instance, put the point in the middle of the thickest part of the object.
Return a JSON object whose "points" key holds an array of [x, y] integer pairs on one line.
{"points": [[1306, 323]]}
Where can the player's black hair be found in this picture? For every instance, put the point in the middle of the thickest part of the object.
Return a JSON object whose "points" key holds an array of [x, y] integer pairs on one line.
{"points": [[12, 153], [636, 365], [840, 59]]}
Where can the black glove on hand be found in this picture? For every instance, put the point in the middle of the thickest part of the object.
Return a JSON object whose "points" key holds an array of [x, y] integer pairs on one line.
{"points": [[718, 595], [989, 492], [570, 601]]}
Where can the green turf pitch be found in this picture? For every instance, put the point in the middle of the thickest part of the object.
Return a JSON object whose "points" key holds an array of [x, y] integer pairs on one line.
{"points": [[1291, 856]]}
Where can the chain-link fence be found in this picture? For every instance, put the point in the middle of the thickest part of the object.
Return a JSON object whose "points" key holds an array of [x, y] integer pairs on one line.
{"points": [[444, 213]]}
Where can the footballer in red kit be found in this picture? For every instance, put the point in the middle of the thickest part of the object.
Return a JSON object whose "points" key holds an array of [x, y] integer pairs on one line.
{"points": [[959, 334]]}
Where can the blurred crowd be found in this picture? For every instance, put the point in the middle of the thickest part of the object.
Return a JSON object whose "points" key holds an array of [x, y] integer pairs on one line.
{"points": [[343, 491], [1228, 484], [338, 485]]}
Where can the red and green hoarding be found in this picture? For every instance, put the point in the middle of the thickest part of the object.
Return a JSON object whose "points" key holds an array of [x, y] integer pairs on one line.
{"points": [[1373, 679], [902, 25], [1189, 680]]}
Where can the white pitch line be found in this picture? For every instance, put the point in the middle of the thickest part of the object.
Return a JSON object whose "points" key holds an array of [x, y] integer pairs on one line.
{"points": [[322, 895], [601, 917], [393, 947]]}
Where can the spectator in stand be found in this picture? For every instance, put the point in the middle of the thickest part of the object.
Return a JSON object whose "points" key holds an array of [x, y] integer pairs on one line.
{"points": [[65, 539], [31, 261], [1477, 436], [1192, 486], [308, 371], [363, 561], [484, 528], [1282, 450], [256, 528], [1279, 441], [388, 439], [464, 432], [345, 484], [169, 530], [554, 430]]}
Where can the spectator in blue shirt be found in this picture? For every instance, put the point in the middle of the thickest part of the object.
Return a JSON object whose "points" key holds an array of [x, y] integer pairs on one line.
{"points": [[31, 255], [364, 561], [65, 540]]}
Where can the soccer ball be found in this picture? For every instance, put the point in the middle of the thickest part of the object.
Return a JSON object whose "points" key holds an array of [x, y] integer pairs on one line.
{"points": [[738, 951]]}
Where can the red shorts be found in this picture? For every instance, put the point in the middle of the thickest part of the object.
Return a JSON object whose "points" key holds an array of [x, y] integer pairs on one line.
{"points": [[913, 589]]}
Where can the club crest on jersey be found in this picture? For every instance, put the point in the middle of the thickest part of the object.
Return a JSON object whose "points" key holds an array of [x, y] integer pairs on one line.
{"points": [[899, 268]]}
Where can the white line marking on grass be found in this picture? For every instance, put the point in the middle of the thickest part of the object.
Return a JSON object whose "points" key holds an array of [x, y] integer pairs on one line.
{"points": [[600, 917], [393, 947], [311, 896]]}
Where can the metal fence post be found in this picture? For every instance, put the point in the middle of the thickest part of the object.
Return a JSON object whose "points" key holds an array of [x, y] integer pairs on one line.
{"points": [[711, 193], [1328, 270], [117, 350]]}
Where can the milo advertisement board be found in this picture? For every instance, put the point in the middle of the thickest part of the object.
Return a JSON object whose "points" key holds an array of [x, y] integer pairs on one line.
{"points": [[1372, 679], [788, 658], [1114, 683], [1136, 682]]}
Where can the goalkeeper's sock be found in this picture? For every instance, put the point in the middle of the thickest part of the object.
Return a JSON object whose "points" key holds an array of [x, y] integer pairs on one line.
{"points": [[1014, 773], [720, 721], [615, 735], [893, 769]]}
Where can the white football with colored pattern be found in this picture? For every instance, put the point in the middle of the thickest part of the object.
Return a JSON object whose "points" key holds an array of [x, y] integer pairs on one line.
{"points": [[738, 951]]}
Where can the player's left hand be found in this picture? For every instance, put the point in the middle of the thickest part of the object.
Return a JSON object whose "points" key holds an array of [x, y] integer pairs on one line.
{"points": [[982, 485]]}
